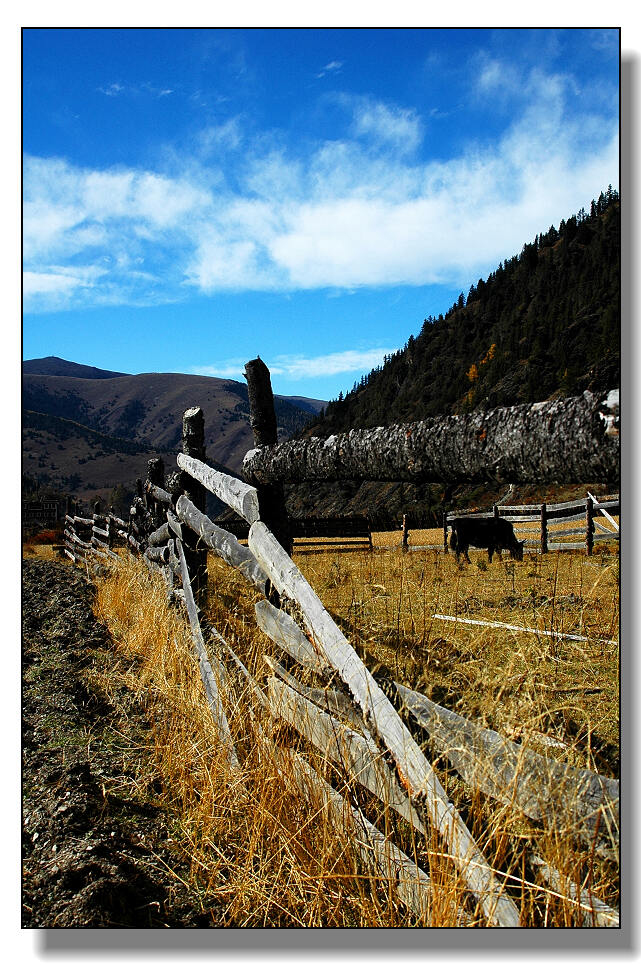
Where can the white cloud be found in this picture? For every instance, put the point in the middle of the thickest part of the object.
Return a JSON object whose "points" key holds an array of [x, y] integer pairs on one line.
{"points": [[112, 90], [338, 216], [116, 89], [393, 127], [299, 367], [35, 283], [220, 137], [336, 363], [333, 67], [231, 368]]}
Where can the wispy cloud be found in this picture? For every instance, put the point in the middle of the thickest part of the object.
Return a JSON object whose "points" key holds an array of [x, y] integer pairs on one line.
{"points": [[117, 89], [393, 126], [333, 67], [300, 367], [254, 213], [111, 90]]}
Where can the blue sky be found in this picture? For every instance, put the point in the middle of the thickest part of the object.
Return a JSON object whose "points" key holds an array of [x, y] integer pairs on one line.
{"points": [[193, 198]]}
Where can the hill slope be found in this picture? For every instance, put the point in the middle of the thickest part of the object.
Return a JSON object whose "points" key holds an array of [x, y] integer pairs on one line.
{"points": [[88, 434], [52, 365], [546, 322]]}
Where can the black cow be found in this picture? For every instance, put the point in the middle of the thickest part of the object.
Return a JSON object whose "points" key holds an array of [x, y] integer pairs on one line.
{"points": [[491, 534]]}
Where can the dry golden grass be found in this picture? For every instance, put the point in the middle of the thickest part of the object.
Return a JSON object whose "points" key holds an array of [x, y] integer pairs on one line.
{"points": [[508, 680], [267, 852]]}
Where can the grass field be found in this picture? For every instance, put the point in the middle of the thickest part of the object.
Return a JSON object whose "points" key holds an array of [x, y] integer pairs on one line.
{"points": [[272, 856]]}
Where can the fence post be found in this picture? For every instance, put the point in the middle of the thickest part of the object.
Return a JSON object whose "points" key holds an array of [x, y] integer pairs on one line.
{"points": [[544, 528], [193, 444], [589, 526], [495, 509], [156, 475], [405, 534], [109, 514], [262, 416], [445, 531]]}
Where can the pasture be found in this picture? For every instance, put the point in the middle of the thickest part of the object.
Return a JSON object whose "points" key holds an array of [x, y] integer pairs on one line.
{"points": [[379, 737], [516, 682], [273, 855]]}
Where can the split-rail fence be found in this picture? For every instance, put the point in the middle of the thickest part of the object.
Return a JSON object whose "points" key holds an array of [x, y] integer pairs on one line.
{"points": [[367, 726]]}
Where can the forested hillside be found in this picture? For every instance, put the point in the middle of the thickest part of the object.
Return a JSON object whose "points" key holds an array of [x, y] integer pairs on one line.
{"points": [[547, 321]]}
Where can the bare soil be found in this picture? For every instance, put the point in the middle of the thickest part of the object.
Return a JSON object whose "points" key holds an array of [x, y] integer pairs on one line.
{"points": [[98, 847]]}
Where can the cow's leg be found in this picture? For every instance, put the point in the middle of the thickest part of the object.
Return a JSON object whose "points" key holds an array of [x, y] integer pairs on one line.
{"points": [[490, 553], [466, 555]]}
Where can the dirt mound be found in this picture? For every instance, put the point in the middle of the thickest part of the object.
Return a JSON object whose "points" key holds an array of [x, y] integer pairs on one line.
{"points": [[95, 854]]}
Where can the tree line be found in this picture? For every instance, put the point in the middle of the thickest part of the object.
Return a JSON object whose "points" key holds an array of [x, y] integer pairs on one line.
{"points": [[545, 321]]}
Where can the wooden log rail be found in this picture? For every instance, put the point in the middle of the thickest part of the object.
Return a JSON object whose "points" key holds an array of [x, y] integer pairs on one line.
{"points": [[221, 542], [567, 439], [414, 771], [85, 537]]}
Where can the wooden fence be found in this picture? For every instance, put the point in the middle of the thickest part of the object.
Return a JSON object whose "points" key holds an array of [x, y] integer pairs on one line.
{"points": [[370, 727], [312, 534], [552, 520]]}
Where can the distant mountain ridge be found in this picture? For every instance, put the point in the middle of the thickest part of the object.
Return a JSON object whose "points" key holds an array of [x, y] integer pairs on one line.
{"points": [[87, 432], [52, 365]]}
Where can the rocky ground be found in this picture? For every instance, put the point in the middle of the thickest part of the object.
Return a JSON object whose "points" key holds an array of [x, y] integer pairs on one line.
{"points": [[97, 852]]}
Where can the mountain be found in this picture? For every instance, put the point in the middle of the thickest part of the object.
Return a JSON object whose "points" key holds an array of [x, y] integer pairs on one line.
{"points": [[52, 365], [545, 323], [85, 434]]}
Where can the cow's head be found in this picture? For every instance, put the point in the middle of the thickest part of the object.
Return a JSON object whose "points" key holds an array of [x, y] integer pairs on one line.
{"points": [[517, 550]]}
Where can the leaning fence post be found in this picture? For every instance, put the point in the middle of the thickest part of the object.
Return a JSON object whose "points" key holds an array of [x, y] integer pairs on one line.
{"points": [[589, 526], [193, 443], [405, 534], [262, 416]]}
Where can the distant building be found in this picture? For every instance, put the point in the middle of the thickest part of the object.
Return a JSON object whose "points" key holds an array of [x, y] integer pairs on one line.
{"points": [[44, 510]]}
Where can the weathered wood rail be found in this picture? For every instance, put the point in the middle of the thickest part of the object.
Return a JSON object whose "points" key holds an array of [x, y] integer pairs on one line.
{"points": [[569, 440], [367, 728]]}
